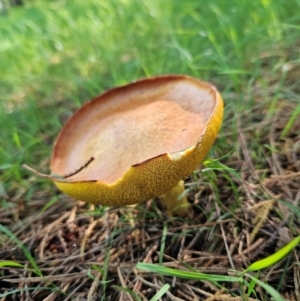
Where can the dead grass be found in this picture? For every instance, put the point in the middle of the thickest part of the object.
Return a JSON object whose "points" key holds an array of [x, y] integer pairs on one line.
{"points": [[89, 253], [86, 253]]}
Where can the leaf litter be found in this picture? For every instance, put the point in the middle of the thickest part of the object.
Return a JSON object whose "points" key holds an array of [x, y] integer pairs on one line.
{"points": [[90, 253]]}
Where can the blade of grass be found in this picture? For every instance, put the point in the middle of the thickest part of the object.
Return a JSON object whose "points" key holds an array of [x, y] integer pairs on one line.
{"points": [[127, 290], [50, 203], [163, 244], [10, 263], [185, 274], [160, 293], [269, 289], [211, 164], [250, 287], [23, 248], [272, 259], [290, 122], [16, 291]]}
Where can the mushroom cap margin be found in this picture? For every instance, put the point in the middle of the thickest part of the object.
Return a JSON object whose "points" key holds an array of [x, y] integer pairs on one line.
{"points": [[150, 178]]}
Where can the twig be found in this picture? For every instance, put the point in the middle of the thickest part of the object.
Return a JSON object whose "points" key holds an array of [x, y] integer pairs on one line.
{"points": [[58, 177], [37, 173], [123, 283], [94, 286], [70, 295], [66, 277], [225, 240], [87, 234]]}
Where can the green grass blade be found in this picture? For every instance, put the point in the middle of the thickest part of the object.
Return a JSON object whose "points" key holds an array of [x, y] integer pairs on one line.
{"points": [[291, 121], [128, 291], [272, 259], [23, 248], [160, 293], [185, 274], [23, 290], [211, 164], [269, 289], [3, 193], [250, 287], [10, 263], [50, 203]]}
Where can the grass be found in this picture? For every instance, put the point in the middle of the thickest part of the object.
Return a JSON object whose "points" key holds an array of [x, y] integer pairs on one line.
{"points": [[55, 55]]}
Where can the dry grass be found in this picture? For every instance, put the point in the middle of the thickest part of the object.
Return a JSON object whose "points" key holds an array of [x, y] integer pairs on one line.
{"points": [[57, 54], [87, 254]]}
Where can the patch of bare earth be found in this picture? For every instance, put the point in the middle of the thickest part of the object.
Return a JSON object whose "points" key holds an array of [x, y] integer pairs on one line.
{"points": [[88, 254]]}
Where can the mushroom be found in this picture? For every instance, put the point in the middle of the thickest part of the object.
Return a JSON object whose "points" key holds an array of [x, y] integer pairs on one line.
{"points": [[137, 142]]}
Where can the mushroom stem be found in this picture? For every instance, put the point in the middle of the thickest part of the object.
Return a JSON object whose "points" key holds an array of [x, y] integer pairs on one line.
{"points": [[172, 203]]}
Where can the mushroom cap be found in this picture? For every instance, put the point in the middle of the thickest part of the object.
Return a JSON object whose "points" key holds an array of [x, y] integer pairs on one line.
{"points": [[144, 138]]}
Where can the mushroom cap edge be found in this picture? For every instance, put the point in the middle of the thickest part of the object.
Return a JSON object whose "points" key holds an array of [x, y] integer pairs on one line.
{"points": [[150, 178]]}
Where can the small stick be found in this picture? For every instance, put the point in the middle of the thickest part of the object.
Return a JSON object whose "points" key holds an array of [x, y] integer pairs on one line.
{"points": [[56, 177], [36, 172]]}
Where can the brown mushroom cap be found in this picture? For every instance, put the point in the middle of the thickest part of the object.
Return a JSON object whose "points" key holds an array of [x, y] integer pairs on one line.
{"points": [[144, 138]]}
